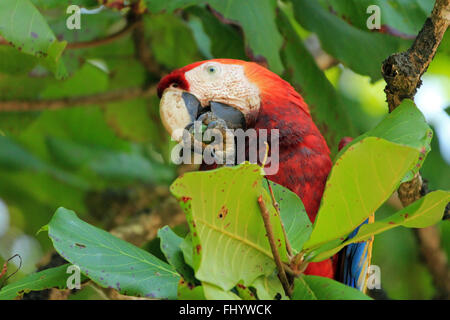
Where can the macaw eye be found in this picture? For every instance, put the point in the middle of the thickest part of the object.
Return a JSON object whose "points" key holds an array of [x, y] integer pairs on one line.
{"points": [[212, 69]]}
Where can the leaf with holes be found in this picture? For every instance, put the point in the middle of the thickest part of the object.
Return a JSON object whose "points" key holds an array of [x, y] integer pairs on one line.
{"points": [[26, 29], [109, 261], [360, 181], [229, 242]]}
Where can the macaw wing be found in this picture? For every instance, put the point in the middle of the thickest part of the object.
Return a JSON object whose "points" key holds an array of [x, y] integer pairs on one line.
{"points": [[354, 261]]}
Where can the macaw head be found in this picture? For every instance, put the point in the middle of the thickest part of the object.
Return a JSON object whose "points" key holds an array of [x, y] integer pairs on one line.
{"points": [[243, 94]]}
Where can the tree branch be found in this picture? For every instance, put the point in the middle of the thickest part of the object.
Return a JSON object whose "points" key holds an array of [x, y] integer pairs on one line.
{"points": [[402, 73], [143, 52], [53, 104], [95, 42]]}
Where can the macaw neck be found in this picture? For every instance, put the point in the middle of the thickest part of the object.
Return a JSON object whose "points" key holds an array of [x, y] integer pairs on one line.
{"points": [[304, 157]]}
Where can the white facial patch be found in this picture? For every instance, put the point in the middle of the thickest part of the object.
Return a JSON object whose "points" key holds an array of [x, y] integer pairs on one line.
{"points": [[225, 83]]}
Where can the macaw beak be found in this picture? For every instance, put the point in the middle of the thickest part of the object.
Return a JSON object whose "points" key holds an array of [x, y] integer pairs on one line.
{"points": [[178, 109]]}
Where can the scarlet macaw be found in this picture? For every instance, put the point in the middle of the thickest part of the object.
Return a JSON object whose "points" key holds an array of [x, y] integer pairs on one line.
{"points": [[248, 95]]}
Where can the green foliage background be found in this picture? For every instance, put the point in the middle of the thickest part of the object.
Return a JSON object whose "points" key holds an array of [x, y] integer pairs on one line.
{"points": [[96, 158]]}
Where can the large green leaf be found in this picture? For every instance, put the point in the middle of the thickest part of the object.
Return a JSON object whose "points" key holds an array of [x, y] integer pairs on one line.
{"points": [[360, 181], [320, 288], [423, 213], [293, 214], [406, 125], [402, 17], [325, 104], [362, 51], [228, 234], [26, 29], [49, 278], [109, 261], [261, 33]]}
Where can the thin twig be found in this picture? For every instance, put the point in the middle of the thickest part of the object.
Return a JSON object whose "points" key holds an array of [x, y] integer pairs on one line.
{"points": [[273, 246], [53, 104], [5, 269]]}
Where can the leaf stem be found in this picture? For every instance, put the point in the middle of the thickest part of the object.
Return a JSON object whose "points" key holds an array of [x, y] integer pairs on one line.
{"points": [[276, 254]]}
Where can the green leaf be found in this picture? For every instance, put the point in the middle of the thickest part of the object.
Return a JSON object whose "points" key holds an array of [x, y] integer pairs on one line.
{"points": [[244, 292], [293, 214], [13, 61], [170, 246], [326, 105], [130, 167], [109, 261], [187, 291], [49, 278], [213, 292], [360, 181], [232, 48], [402, 17], [269, 288], [361, 51], [258, 28], [156, 6], [222, 211], [51, 4], [168, 33], [26, 29], [320, 288], [423, 213], [405, 125]]}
